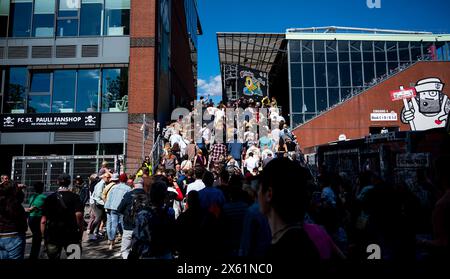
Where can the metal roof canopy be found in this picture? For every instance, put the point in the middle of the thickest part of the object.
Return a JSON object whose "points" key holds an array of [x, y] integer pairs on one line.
{"points": [[253, 50], [362, 34]]}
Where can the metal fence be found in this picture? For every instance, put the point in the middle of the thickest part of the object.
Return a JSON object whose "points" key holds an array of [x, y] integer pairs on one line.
{"points": [[28, 170]]}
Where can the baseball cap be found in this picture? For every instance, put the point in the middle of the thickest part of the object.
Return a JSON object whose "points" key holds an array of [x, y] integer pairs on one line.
{"points": [[63, 179], [115, 177], [78, 177]]}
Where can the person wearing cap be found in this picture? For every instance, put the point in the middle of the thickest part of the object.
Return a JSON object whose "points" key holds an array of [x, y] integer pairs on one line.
{"points": [[62, 219], [114, 218], [98, 205], [430, 108], [124, 208]]}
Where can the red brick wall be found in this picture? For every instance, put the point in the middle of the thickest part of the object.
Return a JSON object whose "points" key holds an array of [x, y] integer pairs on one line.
{"points": [[141, 89], [143, 18], [353, 117]]}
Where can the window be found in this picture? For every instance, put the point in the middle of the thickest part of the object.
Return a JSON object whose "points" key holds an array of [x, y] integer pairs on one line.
{"points": [[381, 68], [4, 13], [310, 101], [67, 19], [40, 83], [91, 17], [321, 75], [391, 48], [296, 75], [380, 52], [297, 119], [309, 116], [38, 103], [307, 54], [369, 72], [88, 91], [403, 49], [319, 51], [344, 69], [367, 51], [322, 99], [43, 19], [117, 17], [416, 51], [355, 48], [333, 77], [295, 56], [294, 46], [115, 90], [331, 51], [357, 74], [333, 96], [64, 91], [297, 100], [15, 90], [343, 51], [20, 18], [308, 75], [345, 92]]}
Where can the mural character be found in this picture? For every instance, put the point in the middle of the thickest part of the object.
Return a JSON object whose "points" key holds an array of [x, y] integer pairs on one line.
{"points": [[430, 108]]}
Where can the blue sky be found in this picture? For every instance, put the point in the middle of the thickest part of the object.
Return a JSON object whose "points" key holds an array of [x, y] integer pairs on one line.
{"points": [[278, 15]]}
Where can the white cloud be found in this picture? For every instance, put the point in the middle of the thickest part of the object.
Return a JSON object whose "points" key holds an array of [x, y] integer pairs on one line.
{"points": [[211, 87]]}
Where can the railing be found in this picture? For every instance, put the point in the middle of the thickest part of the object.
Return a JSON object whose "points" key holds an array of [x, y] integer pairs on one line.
{"points": [[156, 152]]}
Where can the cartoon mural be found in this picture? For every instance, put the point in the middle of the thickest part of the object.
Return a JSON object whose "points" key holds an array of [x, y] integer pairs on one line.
{"points": [[252, 83], [429, 108]]}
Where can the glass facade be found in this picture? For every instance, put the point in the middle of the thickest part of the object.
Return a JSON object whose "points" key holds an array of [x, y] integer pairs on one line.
{"points": [[15, 90], [20, 18], [114, 90], [4, 13], [62, 18], [117, 17], [190, 7], [64, 91], [324, 72], [43, 18], [64, 83], [91, 17], [88, 90], [68, 15], [39, 95]]}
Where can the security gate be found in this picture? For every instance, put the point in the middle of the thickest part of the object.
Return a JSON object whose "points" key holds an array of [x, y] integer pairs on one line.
{"points": [[46, 169]]}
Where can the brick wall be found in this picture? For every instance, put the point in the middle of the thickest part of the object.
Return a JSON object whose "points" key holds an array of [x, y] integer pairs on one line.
{"points": [[141, 80], [352, 118]]}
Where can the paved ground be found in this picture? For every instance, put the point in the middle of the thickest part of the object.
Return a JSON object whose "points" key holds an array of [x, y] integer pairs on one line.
{"points": [[90, 249]]}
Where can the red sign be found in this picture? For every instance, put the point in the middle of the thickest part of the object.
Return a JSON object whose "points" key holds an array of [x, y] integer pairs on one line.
{"points": [[406, 93]]}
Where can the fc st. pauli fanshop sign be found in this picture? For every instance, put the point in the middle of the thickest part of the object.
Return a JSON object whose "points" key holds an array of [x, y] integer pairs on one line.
{"points": [[50, 122]]}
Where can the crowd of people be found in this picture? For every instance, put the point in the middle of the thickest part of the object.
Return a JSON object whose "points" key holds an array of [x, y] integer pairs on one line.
{"points": [[253, 197]]}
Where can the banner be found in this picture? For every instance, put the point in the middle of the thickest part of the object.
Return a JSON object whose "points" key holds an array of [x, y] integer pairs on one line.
{"points": [[50, 122], [251, 84]]}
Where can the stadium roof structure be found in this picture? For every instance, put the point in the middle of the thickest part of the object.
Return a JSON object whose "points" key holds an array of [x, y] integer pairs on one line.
{"points": [[253, 50], [362, 34]]}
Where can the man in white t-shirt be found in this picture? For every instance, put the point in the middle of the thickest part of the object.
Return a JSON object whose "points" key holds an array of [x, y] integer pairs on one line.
{"points": [[255, 150], [206, 133], [251, 162], [198, 184]]}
